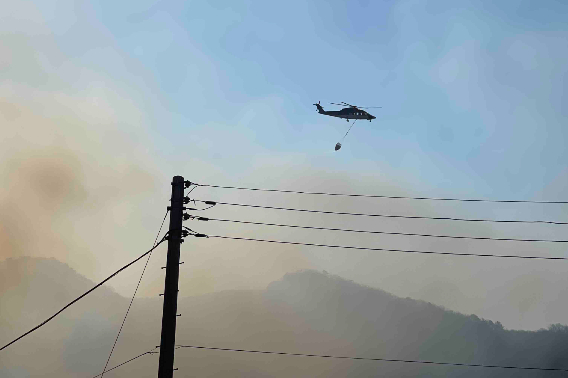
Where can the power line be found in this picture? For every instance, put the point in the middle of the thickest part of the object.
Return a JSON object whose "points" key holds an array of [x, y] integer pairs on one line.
{"points": [[83, 295], [374, 359], [379, 215], [134, 295], [387, 249], [379, 196], [130, 360], [378, 232]]}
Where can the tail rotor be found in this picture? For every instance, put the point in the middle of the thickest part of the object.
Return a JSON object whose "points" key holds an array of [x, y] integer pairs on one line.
{"points": [[319, 108]]}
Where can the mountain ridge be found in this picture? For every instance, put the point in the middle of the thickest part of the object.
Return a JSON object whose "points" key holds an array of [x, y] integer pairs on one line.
{"points": [[305, 311]]}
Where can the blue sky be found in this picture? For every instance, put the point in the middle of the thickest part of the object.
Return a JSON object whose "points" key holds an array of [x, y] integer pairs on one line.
{"points": [[472, 95], [473, 102]]}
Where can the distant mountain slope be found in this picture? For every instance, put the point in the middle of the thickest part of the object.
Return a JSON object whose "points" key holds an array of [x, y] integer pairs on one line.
{"points": [[374, 320], [307, 312]]}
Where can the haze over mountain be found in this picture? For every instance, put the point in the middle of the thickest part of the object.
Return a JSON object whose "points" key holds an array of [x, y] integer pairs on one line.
{"points": [[102, 103], [304, 312]]}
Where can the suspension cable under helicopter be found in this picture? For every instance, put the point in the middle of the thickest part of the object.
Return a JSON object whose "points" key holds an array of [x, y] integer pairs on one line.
{"points": [[338, 144]]}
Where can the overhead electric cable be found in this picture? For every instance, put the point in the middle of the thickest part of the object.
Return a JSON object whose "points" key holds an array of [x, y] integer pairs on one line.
{"points": [[130, 360], [379, 196], [388, 249], [380, 215], [374, 359], [134, 295], [83, 295], [378, 232]]}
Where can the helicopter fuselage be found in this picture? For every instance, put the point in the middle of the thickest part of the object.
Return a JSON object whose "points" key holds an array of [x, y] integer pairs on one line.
{"points": [[347, 113], [350, 113]]}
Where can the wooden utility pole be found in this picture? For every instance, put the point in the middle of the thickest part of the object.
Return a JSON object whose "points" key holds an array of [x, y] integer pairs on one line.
{"points": [[167, 344]]}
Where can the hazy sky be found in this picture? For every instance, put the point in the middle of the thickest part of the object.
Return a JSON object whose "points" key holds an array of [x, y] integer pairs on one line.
{"points": [[102, 103]]}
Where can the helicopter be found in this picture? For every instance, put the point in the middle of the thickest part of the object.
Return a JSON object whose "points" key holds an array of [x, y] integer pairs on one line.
{"points": [[348, 112]]}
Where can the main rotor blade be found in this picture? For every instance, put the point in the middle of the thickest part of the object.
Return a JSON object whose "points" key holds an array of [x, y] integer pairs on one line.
{"points": [[342, 103]]}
